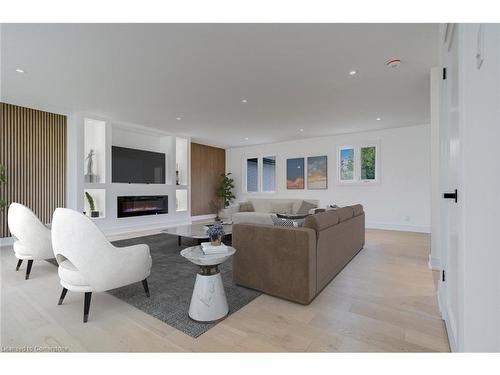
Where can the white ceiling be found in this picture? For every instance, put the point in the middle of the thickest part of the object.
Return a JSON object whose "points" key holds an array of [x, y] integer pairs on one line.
{"points": [[293, 75]]}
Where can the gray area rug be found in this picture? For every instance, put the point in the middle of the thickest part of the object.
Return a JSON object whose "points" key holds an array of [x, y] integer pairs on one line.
{"points": [[171, 284]]}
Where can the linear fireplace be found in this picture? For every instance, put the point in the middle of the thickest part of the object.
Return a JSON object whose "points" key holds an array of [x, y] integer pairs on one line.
{"points": [[142, 205]]}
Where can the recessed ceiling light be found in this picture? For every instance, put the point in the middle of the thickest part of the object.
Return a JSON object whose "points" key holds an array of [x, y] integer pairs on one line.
{"points": [[352, 72], [178, 118], [244, 100], [246, 138], [378, 119], [301, 130], [19, 70]]}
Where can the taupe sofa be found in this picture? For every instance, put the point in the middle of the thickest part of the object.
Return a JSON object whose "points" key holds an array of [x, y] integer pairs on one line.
{"points": [[297, 263]]}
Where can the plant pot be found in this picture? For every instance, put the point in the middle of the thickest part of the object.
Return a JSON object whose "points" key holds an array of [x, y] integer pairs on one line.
{"points": [[216, 242], [94, 213]]}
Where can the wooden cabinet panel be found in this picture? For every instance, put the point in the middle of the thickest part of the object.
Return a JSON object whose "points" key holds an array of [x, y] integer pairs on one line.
{"points": [[207, 164], [33, 150]]}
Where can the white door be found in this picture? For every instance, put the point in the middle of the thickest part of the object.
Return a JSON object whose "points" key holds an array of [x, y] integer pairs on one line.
{"points": [[450, 183]]}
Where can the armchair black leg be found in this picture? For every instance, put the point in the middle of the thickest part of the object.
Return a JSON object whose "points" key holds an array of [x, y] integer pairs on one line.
{"points": [[86, 306], [145, 285], [19, 262], [63, 294], [28, 270]]}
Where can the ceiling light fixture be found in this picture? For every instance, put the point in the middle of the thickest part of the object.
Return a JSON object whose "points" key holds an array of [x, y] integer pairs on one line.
{"points": [[301, 130], [246, 138], [178, 118], [352, 73], [19, 70], [244, 101], [378, 119]]}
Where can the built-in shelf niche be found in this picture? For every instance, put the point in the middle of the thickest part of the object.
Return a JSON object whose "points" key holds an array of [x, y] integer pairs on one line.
{"points": [[94, 148], [181, 200], [181, 161], [99, 197]]}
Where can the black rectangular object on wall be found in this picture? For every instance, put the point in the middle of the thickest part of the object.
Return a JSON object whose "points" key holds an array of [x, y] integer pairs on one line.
{"points": [[128, 206], [137, 166]]}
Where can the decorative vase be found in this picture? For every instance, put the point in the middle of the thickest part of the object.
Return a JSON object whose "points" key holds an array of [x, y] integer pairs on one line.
{"points": [[216, 241]]}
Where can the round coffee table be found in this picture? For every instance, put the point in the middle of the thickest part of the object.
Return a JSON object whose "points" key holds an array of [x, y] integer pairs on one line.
{"points": [[208, 302]]}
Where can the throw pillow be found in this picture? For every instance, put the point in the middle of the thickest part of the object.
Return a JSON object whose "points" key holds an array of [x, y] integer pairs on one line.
{"points": [[280, 222], [305, 207], [246, 207], [281, 208]]}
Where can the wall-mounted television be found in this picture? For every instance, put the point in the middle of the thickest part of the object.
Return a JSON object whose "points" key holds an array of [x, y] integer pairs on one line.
{"points": [[133, 166]]}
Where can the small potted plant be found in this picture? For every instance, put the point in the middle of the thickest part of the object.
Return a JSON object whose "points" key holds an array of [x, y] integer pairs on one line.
{"points": [[93, 212], [215, 232]]}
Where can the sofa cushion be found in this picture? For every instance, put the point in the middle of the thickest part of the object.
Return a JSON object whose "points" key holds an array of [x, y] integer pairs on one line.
{"points": [[321, 220], [246, 207], [252, 218], [357, 209], [305, 207], [283, 222], [345, 213], [264, 204], [281, 207]]}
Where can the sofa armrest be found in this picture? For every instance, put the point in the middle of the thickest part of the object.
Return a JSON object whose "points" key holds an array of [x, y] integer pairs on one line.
{"points": [[278, 261]]}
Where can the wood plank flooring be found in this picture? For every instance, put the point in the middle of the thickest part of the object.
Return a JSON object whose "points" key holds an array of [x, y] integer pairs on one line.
{"points": [[383, 301]]}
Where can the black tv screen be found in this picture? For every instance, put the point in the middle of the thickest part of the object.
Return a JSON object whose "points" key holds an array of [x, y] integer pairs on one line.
{"points": [[137, 166]]}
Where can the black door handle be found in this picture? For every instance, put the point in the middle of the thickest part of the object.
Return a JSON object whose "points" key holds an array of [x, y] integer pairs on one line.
{"points": [[451, 195]]}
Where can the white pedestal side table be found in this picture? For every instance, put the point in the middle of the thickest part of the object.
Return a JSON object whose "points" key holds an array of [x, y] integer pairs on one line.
{"points": [[208, 302]]}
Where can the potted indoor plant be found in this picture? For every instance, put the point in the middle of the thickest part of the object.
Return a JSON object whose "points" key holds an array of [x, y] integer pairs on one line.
{"points": [[224, 193], [93, 212], [215, 232]]}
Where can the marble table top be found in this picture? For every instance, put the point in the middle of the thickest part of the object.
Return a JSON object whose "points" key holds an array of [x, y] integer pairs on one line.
{"points": [[194, 230], [195, 255]]}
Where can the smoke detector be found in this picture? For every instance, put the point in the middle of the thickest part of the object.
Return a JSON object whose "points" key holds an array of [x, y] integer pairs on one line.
{"points": [[393, 63]]}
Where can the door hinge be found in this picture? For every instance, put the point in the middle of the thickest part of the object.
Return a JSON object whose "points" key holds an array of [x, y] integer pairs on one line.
{"points": [[444, 73], [443, 276]]}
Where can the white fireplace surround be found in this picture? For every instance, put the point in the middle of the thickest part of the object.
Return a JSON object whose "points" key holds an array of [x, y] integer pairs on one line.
{"points": [[117, 133]]}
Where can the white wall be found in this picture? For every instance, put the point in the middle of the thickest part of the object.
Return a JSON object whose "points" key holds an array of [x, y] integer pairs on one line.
{"points": [[479, 100], [401, 200]]}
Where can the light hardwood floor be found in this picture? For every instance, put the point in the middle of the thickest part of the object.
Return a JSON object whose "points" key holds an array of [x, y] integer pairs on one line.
{"points": [[383, 301]]}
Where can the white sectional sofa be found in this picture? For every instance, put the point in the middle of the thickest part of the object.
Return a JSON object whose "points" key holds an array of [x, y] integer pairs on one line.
{"points": [[263, 210]]}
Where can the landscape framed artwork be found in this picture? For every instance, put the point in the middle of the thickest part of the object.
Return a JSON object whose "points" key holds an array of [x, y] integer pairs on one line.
{"points": [[295, 173], [317, 172], [346, 167]]}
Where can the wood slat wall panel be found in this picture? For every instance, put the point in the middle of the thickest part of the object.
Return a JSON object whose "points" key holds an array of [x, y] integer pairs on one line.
{"points": [[207, 164], [33, 150]]}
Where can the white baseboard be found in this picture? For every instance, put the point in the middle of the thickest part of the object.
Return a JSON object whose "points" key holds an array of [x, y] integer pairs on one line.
{"points": [[6, 241], [449, 323], [434, 263], [399, 227], [203, 217], [139, 228]]}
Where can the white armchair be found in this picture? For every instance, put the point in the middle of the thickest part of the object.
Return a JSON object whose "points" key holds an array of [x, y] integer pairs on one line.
{"points": [[31, 238], [88, 262]]}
